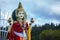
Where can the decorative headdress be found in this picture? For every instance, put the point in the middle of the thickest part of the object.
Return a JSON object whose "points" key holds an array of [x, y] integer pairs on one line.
{"points": [[20, 8], [14, 14]]}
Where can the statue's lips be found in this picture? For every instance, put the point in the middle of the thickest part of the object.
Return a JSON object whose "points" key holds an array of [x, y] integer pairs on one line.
{"points": [[21, 16]]}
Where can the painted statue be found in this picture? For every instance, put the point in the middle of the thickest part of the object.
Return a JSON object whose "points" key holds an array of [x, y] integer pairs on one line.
{"points": [[20, 29]]}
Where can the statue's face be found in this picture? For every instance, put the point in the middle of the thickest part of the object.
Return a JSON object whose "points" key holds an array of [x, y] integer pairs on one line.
{"points": [[20, 14]]}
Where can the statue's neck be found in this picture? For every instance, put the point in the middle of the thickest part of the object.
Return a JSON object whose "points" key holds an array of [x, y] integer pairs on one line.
{"points": [[20, 21]]}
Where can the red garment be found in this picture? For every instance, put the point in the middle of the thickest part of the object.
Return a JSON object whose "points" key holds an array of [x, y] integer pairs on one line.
{"points": [[18, 28]]}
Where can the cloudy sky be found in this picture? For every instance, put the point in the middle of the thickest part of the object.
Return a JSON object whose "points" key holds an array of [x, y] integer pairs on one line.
{"points": [[43, 11]]}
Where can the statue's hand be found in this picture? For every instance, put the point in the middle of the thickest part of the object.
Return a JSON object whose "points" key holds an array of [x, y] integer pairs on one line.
{"points": [[32, 21]]}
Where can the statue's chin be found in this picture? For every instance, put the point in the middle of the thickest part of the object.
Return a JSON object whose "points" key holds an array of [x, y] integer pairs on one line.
{"points": [[21, 17]]}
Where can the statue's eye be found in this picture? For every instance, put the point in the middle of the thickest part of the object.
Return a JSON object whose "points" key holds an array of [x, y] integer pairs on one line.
{"points": [[19, 13]]}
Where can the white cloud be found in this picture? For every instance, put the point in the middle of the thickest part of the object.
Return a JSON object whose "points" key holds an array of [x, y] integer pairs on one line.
{"points": [[42, 21], [8, 15], [39, 21], [2, 15], [5, 15], [4, 18], [55, 9], [55, 21], [41, 3]]}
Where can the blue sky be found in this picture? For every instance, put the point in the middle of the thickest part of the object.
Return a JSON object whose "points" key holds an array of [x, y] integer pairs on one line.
{"points": [[43, 11]]}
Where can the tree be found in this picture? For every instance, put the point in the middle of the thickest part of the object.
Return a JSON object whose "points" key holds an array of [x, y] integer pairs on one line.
{"points": [[50, 35]]}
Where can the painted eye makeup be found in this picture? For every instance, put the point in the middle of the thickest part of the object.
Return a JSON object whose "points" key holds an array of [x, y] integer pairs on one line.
{"points": [[19, 13]]}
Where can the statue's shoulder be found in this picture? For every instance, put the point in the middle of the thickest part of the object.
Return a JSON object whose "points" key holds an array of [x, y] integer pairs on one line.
{"points": [[15, 22], [26, 22]]}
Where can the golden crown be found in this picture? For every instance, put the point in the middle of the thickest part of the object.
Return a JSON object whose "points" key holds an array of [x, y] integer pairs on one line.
{"points": [[20, 8]]}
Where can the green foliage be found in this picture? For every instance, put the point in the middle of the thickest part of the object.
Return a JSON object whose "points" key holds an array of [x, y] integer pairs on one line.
{"points": [[46, 32], [50, 35], [35, 32]]}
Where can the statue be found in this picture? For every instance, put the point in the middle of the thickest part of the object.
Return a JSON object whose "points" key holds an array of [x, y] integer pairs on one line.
{"points": [[20, 29]]}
